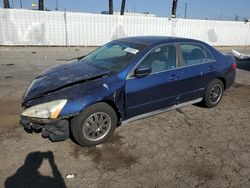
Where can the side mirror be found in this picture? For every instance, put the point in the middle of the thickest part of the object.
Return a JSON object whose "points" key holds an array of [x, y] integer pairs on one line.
{"points": [[142, 71]]}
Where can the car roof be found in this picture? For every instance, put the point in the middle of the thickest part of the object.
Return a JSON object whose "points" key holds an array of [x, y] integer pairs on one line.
{"points": [[151, 40]]}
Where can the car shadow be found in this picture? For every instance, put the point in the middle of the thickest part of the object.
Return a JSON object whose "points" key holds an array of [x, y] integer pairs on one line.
{"points": [[29, 176]]}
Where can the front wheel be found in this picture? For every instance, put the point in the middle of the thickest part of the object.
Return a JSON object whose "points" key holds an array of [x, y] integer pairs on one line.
{"points": [[213, 94], [94, 125]]}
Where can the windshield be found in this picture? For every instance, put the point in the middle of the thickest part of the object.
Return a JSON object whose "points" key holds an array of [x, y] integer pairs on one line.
{"points": [[114, 56]]}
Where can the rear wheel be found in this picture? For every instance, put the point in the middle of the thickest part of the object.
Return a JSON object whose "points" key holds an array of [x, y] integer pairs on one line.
{"points": [[94, 125], [213, 94]]}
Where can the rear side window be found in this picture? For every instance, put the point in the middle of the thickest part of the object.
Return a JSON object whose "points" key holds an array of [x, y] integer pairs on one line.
{"points": [[210, 57], [194, 54]]}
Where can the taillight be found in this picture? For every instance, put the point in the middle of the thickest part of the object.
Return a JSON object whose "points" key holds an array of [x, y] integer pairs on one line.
{"points": [[234, 65]]}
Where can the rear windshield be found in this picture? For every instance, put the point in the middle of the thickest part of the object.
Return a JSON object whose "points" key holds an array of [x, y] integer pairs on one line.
{"points": [[114, 56]]}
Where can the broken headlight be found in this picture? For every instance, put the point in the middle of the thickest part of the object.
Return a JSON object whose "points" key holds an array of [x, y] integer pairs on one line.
{"points": [[46, 110]]}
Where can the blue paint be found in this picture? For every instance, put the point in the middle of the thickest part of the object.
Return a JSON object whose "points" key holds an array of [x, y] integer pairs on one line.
{"points": [[83, 84]]}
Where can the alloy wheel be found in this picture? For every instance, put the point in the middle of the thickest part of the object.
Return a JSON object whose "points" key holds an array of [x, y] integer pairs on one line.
{"points": [[96, 126]]}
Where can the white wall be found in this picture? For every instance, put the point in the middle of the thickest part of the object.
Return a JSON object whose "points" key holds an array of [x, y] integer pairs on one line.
{"points": [[29, 27]]}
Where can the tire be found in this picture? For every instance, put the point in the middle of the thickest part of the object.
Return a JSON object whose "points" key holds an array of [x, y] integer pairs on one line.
{"points": [[94, 125], [213, 94]]}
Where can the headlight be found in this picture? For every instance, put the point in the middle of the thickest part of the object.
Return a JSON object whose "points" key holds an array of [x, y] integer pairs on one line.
{"points": [[46, 110]]}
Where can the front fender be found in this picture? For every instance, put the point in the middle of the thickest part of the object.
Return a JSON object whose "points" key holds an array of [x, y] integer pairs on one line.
{"points": [[81, 96]]}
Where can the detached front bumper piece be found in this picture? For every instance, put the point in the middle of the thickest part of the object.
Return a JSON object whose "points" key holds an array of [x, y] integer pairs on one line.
{"points": [[55, 130]]}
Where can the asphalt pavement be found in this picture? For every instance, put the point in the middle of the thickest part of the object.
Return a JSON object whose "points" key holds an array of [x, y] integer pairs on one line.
{"points": [[188, 147]]}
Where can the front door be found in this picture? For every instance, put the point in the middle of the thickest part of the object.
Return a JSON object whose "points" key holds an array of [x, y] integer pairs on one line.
{"points": [[159, 89]]}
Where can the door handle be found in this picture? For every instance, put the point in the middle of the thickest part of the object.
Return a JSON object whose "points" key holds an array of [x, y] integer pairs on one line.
{"points": [[211, 67], [173, 77]]}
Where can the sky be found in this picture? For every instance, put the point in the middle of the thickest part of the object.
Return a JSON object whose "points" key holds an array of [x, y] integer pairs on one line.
{"points": [[196, 9]]}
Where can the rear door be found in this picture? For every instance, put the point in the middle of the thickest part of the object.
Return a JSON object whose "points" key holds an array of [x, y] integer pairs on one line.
{"points": [[157, 90], [197, 69]]}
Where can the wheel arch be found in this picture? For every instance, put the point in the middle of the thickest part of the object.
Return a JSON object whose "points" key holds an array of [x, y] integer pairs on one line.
{"points": [[223, 81], [115, 108], [108, 102]]}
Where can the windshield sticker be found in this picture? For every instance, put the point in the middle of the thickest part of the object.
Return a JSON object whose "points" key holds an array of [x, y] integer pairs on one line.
{"points": [[131, 50]]}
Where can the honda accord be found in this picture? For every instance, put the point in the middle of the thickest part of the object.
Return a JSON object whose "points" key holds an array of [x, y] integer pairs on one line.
{"points": [[122, 81]]}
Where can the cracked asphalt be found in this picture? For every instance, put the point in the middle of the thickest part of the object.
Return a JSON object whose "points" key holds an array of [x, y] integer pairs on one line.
{"points": [[188, 147]]}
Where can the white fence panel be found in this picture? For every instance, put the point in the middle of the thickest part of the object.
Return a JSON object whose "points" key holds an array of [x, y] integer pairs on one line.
{"points": [[29, 27], [146, 26], [25, 27], [218, 33], [95, 30], [88, 29]]}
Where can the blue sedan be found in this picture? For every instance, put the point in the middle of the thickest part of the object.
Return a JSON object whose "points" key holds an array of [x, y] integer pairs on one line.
{"points": [[122, 81]]}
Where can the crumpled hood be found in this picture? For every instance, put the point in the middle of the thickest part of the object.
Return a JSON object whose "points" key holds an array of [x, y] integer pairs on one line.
{"points": [[62, 76]]}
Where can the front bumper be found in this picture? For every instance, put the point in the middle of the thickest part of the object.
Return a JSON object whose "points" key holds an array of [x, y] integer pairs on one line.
{"points": [[55, 130]]}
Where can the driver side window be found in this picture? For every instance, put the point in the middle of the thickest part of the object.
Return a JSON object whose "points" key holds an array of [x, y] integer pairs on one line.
{"points": [[160, 59]]}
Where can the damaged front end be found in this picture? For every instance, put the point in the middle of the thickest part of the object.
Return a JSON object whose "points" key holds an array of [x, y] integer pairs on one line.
{"points": [[54, 129], [44, 118], [54, 98]]}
